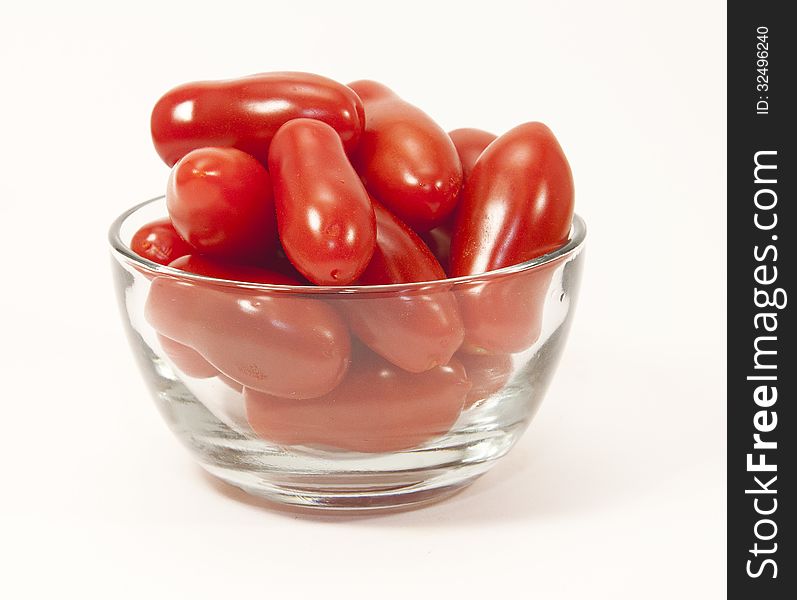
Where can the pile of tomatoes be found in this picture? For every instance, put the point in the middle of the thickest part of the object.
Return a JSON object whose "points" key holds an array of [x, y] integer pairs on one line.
{"points": [[294, 179]]}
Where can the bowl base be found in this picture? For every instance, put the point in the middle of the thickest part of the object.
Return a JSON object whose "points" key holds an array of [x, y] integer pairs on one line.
{"points": [[313, 500], [325, 479]]}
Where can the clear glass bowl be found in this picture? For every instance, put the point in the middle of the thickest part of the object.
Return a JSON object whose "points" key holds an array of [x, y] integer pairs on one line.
{"points": [[322, 397]]}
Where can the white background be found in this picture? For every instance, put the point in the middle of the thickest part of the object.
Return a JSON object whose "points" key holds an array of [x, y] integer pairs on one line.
{"points": [[616, 490]]}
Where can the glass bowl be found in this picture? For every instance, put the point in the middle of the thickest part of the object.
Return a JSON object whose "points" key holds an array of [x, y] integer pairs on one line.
{"points": [[346, 398]]}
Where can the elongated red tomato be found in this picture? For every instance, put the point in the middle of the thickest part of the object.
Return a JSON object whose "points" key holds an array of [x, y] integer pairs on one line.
{"points": [[416, 330], [369, 90], [470, 143], [517, 204], [220, 200], [159, 242], [324, 215], [185, 358], [377, 408], [286, 346], [505, 314], [245, 113], [213, 267], [407, 161]]}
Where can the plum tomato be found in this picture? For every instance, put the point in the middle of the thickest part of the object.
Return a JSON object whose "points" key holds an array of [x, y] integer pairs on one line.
{"points": [[504, 314], [406, 160], [159, 242], [185, 358], [282, 345], [470, 143], [245, 113], [324, 216], [517, 204], [369, 91], [220, 200], [213, 267], [377, 408], [416, 330]]}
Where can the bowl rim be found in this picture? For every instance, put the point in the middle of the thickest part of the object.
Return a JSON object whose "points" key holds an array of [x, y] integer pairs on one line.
{"points": [[576, 241]]}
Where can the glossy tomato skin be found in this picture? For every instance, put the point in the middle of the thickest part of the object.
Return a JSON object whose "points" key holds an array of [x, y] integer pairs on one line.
{"points": [[518, 203], [159, 242], [369, 90], [324, 215], [188, 360], [220, 200], [220, 269], [400, 255], [245, 113], [278, 344], [406, 160], [416, 331], [470, 143], [377, 408]]}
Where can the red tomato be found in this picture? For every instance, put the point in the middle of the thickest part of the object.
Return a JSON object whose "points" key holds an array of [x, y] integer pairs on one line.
{"points": [[185, 358], [470, 143], [220, 201], [325, 219], [278, 344], [408, 163], [504, 315], [416, 330], [377, 408], [518, 202], [159, 242], [213, 267], [369, 90], [245, 113], [487, 374], [400, 255]]}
